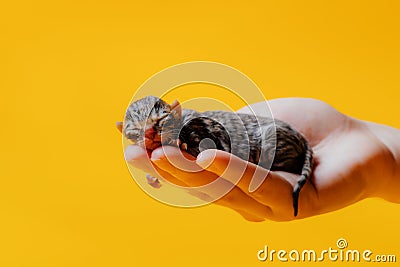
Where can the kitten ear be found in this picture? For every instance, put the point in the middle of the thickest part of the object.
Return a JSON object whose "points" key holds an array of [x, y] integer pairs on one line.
{"points": [[174, 104], [176, 109], [119, 126]]}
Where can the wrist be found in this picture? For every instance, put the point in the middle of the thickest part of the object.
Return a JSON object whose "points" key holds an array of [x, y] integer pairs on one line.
{"points": [[390, 189], [386, 181]]}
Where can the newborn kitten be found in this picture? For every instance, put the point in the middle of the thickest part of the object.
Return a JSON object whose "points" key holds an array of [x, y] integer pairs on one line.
{"points": [[150, 122]]}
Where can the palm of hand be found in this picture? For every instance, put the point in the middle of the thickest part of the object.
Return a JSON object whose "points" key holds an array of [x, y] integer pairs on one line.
{"points": [[346, 154], [344, 150]]}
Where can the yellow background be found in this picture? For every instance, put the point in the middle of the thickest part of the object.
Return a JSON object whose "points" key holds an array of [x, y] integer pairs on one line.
{"points": [[68, 71]]}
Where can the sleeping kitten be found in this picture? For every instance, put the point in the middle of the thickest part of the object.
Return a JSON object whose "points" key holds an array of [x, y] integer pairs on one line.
{"points": [[150, 122]]}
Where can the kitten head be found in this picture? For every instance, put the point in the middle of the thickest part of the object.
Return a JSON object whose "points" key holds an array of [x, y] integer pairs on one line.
{"points": [[150, 122]]}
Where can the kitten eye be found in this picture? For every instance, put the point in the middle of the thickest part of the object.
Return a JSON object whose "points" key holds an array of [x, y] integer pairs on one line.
{"points": [[160, 122], [164, 115]]}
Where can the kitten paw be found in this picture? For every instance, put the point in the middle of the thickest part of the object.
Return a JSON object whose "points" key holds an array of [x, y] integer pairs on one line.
{"points": [[153, 181]]}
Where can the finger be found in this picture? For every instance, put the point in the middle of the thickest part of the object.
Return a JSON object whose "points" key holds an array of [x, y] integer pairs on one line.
{"points": [[177, 157], [240, 172], [207, 183], [274, 190], [181, 165], [138, 157]]}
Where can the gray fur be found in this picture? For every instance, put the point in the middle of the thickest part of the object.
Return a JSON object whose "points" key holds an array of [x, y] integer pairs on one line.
{"points": [[270, 143]]}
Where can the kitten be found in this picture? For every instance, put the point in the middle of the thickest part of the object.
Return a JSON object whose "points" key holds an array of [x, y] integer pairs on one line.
{"points": [[151, 122]]}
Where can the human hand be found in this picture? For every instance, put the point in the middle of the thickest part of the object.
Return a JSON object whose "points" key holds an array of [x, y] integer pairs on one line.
{"points": [[348, 154]]}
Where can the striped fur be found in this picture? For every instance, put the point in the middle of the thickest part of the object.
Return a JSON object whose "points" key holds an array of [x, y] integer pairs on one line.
{"points": [[272, 144]]}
